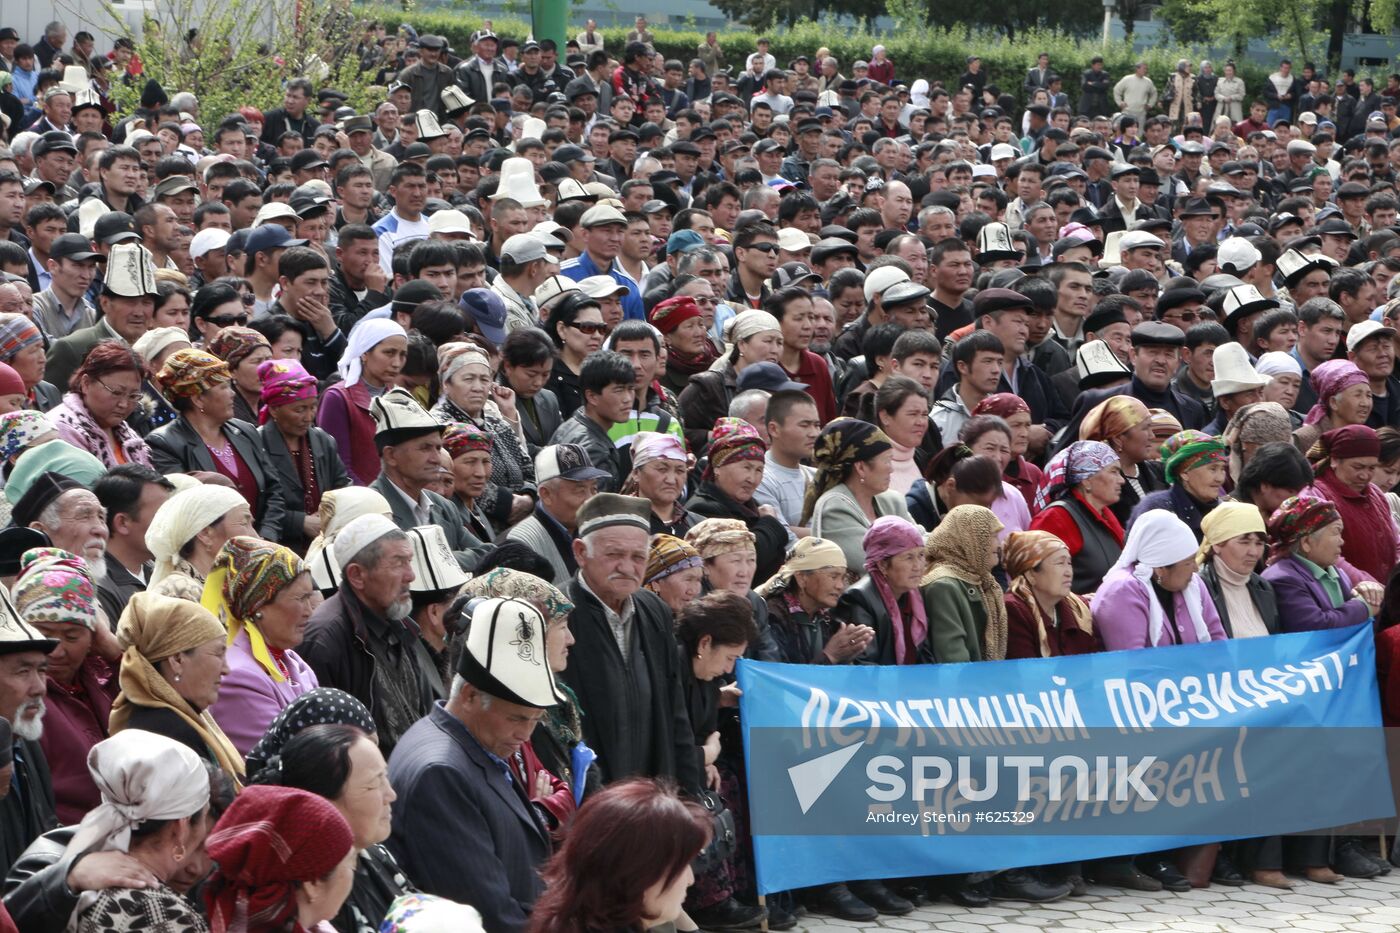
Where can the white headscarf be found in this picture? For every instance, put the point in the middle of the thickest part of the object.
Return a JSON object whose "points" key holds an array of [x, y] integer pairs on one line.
{"points": [[339, 507], [181, 517], [918, 93], [364, 337], [141, 776], [1159, 539]]}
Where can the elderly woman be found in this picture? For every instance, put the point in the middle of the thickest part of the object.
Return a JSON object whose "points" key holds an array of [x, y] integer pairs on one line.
{"points": [[855, 462], [207, 438], [174, 656], [185, 536], [339, 508], [471, 396], [154, 807], [103, 393], [54, 594], [305, 457], [990, 436], [244, 350], [1153, 596], [1181, 96], [1252, 427], [22, 349], [1285, 381], [887, 599], [1343, 398], [1305, 549], [154, 347], [372, 361], [963, 601], [675, 570], [1233, 545], [470, 450], [688, 350], [659, 467], [1125, 424], [1229, 93], [1194, 465], [342, 763], [285, 860], [727, 486], [1044, 617], [262, 594], [727, 552], [756, 337], [1082, 482], [1019, 471], [801, 599], [1343, 461]]}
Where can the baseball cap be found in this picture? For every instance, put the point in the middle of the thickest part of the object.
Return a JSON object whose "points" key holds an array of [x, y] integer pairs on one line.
{"points": [[792, 273], [210, 238], [270, 236], [769, 377], [487, 311], [116, 227], [882, 278], [1238, 253], [174, 184], [683, 241], [73, 246], [565, 461], [1366, 330], [525, 247]]}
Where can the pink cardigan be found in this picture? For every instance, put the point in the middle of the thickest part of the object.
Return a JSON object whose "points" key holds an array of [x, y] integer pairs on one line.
{"points": [[249, 699], [1121, 613]]}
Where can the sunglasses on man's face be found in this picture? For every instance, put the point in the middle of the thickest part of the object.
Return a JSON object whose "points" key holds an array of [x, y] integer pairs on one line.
{"points": [[765, 247]]}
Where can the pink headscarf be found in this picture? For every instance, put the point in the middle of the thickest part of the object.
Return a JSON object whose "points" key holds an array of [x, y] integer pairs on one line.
{"points": [[887, 537], [1329, 379]]}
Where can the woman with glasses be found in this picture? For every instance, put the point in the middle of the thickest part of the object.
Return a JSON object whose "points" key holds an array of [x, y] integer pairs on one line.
{"points": [[217, 306], [102, 395], [577, 329], [262, 593]]}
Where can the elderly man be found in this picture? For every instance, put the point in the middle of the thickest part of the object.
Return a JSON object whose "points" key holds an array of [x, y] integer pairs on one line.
{"points": [[361, 640], [26, 790], [70, 515], [566, 478], [410, 444], [465, 822]]}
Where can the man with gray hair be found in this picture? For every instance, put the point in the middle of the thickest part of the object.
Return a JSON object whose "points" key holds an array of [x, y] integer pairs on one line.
{"points": [[27, 808], [751, 406], [358, 640], [185, 102], [51, 45]]}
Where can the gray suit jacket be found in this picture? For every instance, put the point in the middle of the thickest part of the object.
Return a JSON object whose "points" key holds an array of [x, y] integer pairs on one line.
{"points": [[531, 533], [330, 474], [177, 448], [465, 545], [66, 354], [546, 405]]}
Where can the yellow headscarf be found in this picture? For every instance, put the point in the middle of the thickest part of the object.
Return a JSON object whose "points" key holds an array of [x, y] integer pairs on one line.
{"points": [[247, 575], [153, 628], [1228, 520]]}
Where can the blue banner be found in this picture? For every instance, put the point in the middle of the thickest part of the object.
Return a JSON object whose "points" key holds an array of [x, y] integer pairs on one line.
{"points": [[888, 772]]}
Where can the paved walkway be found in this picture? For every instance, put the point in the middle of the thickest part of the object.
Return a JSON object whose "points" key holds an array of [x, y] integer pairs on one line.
{"points": [[1349, 907]]}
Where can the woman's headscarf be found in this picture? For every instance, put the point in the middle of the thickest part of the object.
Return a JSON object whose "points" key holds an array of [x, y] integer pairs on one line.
{"points": [[842, 444], [810, 553], [1159, 539], [20, 429], [339, 507], [716, 536], [55, 586], [733, 440], [673, 312], [1070, 467], [235, 344], [283, 383], [181, 517], [319, 707], [1278, 363], [667, 555], [957, 548], [505, 583], [1352, 440], [1023, 552], [153, 342], [1295, 519], [1001, 404], [153, 628], [425, 913], [190, 372], [1113, 417], [452, 357], [141, 776], [1228, 520], [1329, 380], [1164, 424], [1258, 423], [248, 574], [1185, 451], [652, 445], [364, 337], [460, 438], [270, 841], [751, 323], [918, 93], [889, 536], [17, 333]]}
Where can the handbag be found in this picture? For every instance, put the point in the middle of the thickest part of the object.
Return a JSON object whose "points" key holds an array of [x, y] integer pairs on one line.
{"points": [[724, 840]]}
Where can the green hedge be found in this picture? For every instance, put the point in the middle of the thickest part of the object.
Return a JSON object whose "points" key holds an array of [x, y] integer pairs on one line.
{"points": [[937, 53]]}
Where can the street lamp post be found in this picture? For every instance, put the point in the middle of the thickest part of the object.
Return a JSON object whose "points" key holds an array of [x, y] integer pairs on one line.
{"points": [[1107, 19]]}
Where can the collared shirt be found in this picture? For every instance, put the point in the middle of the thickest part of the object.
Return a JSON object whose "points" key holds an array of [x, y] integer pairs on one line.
{"points": [[422, 509], [1329, 578], [40, 272], [583, 266], [496, 760], [621, 625], [57, 321]]}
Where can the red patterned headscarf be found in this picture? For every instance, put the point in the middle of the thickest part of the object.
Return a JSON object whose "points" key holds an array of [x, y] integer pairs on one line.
{"points": [[673, 312], [1295, 519], [733, 440], [235, 344], [271, 840], [1001, 404], [464, 438]]}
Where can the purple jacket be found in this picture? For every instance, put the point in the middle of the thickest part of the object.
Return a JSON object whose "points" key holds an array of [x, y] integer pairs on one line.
{"points": [[1121, 614], [1304, 606], [249, 699]]}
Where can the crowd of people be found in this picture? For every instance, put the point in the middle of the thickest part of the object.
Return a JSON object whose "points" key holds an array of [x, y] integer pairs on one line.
{"points": [[389, 496]]}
